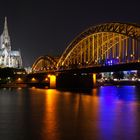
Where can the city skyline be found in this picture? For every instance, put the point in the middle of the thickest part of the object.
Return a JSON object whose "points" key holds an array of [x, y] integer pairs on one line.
{"points": [[47, 28]]}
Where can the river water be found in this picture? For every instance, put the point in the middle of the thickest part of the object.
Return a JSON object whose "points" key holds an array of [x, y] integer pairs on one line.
{"points": [[105, 113]]}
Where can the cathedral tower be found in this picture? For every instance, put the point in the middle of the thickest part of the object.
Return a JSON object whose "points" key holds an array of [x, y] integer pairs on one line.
{"points": [[5, 38], [8, 58]]}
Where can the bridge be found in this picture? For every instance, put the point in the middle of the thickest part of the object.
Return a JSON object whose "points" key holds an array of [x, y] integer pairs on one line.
{"points": [[102, 48], [44, 63]]}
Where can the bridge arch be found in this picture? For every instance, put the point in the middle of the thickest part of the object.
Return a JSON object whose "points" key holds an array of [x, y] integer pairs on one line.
{"points": [[44, 63], [109, 43]]}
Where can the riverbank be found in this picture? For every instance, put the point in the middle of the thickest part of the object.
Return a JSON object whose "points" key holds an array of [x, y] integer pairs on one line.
{"points": [[123, 83], [13, 85]]}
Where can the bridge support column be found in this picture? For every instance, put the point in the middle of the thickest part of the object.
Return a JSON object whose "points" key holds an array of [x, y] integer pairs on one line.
{"points": [[52, 81], [94, 80], [74, 81]]}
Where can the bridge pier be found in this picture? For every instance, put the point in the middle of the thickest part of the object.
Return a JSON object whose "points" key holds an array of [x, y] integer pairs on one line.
{"points": [[63, 80], [74, 80]]}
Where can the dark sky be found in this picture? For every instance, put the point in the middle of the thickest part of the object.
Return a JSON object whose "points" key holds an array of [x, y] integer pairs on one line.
{"points": [[47, 27]]}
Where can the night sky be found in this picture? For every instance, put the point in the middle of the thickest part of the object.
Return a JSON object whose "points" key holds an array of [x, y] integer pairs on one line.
{"points": [[47, 27]]}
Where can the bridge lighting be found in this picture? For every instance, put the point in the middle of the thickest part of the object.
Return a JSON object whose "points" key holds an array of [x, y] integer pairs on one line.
{"points": [[33, 79], [111, 62], [52, 81], [19, 79], [46, 87], [46, 79], [19, 88], [133, 79], [49, 75], [94, 78], [83, 73], [33, 87]]}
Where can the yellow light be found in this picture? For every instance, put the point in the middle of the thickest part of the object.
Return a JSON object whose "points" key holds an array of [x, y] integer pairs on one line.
{"points": [[94, 79], [46, 79], [33, 87], [19, 88], [52, 81], [33, 79], [19, 79]]}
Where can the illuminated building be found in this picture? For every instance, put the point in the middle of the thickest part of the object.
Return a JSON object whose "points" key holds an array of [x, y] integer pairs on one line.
{"points": [[8, 58]]}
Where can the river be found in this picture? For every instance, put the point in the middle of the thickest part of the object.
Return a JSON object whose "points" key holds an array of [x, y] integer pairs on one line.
{"points": [[104, 113]]}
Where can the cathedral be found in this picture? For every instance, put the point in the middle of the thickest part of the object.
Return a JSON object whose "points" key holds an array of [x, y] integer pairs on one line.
{"points": [[8, 57]]}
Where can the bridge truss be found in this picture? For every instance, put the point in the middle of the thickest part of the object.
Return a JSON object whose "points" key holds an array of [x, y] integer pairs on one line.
{"points": [[43, 64], [101, 45], [106, 44]]}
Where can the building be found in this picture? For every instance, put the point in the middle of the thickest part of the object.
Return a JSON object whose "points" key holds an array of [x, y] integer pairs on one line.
{"points": [[8, 57]]}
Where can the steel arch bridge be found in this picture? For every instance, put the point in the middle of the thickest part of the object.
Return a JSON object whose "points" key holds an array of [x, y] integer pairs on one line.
{"points": [[44, 63], [101, 45]]}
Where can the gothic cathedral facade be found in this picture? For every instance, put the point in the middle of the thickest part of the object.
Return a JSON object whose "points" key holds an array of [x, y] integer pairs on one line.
{"points": [[8, 58]]}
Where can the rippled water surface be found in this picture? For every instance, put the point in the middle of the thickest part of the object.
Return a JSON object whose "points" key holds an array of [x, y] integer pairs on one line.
{"points": [[105, 113]]}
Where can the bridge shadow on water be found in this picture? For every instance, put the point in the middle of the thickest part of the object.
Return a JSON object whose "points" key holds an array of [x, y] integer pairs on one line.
{"points": [[87, 91], [121, 92]]}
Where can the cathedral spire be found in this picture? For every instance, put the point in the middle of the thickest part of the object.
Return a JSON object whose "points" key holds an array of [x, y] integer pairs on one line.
{"points": [[5, 38], [9, 58], [5, 27]]}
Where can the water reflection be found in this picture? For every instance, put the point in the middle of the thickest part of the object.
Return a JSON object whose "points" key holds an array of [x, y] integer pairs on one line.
{"points": [[104, 113]]}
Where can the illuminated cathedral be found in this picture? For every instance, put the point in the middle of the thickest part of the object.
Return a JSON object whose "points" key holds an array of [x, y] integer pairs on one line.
{"points": [[8, 58]]}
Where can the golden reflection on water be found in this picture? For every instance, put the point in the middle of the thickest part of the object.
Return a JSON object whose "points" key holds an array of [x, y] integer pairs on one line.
{"points": [[100, 114], [50, 127], [105, 113]]}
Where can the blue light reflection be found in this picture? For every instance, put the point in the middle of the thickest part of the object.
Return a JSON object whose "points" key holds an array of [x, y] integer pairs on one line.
{"points": [[117, 112]]}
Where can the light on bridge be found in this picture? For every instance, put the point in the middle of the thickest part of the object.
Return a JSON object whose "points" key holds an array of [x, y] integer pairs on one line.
{"points": [[94, 79], [33, 87], [52, 81], [19, 79], [33, 79], [46, 79]]}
